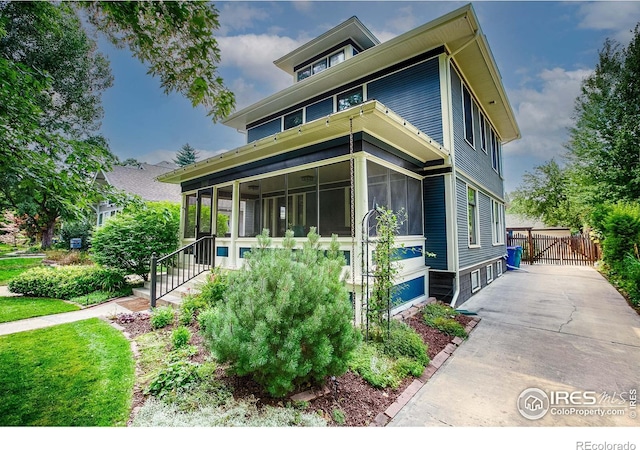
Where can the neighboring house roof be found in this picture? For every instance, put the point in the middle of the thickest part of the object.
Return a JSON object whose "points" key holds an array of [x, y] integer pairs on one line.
{"points": [[141, 180], [518, 221]]}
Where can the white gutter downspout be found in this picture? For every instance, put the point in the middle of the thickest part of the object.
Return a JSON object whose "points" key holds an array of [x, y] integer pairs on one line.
{"points": [[453, 196]]}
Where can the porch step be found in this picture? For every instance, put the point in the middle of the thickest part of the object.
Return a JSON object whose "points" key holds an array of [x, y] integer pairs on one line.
{"points": [[173, 298]]}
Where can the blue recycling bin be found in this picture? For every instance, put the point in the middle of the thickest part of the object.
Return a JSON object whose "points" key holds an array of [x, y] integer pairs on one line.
{"points": [[514, 256]]}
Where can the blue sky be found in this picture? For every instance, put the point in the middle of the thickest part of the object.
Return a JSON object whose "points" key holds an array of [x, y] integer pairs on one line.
{"points": [[543, 51]]}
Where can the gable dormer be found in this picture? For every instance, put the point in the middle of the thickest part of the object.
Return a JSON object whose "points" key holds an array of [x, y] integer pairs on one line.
{"points": [[331, 48]]}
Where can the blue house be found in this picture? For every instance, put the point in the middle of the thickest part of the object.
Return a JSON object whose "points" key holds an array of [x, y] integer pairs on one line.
{"points": [[415, 123]]}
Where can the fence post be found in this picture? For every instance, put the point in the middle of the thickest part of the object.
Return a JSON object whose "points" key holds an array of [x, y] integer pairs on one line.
{"points": [[531, 250], [152, 286]]}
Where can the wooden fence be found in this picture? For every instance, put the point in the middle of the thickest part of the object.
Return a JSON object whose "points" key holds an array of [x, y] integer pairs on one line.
{"points": [[542, 249]]}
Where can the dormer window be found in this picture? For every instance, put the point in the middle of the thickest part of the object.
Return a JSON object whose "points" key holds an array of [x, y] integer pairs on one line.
{"points": [[325, 62], [350, 98]]}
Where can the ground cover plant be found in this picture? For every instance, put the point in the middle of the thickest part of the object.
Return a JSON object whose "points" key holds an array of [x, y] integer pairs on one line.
{"points": [[11, 268], [76, 374], [18, 308], [442, 317]]}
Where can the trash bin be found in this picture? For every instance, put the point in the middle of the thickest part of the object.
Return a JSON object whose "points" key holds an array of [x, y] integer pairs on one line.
{"points": [[514, 256]]}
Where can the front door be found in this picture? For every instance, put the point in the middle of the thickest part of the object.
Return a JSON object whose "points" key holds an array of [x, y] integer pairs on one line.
{"points": [[203, 225]]}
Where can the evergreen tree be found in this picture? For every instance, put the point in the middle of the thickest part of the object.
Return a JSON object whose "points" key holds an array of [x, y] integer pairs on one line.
{"points": [[186, 155]]}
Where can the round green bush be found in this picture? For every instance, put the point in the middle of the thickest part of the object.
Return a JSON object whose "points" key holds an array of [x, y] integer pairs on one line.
{"points": [[286, 318], [180, 337]]}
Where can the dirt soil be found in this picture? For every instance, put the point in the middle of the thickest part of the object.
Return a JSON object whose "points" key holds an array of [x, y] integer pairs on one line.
{"points": [[359, 401]]}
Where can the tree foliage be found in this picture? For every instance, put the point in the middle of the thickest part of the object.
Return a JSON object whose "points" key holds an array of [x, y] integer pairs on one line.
{"points": [[544, 195], [50, 112], [186, 155], [286, 318], [604, 147], [175, 40], [127, 240]]}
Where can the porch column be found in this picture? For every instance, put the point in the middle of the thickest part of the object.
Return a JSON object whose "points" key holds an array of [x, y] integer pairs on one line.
{"points": [[361, 208], [235, 220]]}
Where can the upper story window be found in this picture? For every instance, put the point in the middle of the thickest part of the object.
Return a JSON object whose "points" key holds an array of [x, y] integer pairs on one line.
{"points": [[483, 133], [293, 120], [495, 152], [350, 98], [467, 104], [472, 216], [324, 63]]}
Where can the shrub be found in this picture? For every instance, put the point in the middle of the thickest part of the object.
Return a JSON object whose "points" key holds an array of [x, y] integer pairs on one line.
{"points": [[338, 416], [205, 317], [67, 281], [438, 309], [286, 318], [191, 305], [127, 241], [72, 230], [628, 278], [448, 326], [161, 317], [405, 341], [180, 337], [621, 228], [213, 290], [176, 375], [374, 366]]}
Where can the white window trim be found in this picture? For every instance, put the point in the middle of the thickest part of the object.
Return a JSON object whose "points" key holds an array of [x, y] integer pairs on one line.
{"points": [[477, 230], [499, 269], [483, 134], [489, 270], [464, 116], [497, 240], [479, 286]]}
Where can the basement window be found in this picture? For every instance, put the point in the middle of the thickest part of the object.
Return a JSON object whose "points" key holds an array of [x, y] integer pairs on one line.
{"points": [[475, 281]]}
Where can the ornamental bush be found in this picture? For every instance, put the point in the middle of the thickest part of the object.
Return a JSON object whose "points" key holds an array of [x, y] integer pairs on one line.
{"points": [[127, 241], [286, 316], [66, 281]]}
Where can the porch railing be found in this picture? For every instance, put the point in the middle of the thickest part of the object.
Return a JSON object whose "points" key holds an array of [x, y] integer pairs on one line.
{"points": [[175, 269]]}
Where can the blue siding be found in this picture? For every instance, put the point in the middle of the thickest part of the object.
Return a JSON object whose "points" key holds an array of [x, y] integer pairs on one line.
{"points": [[321, 109], [414, 94], [266, 129], [435, 224], [475, 162], [407, 291], [486, 251]]}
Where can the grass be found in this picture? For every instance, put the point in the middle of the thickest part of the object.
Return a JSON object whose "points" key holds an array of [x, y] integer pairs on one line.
{"points": [[77, 374], [11, 268], [17, 308], [97, 297]]}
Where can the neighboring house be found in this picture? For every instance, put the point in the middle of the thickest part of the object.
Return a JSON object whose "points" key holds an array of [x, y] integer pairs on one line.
{"points": [[138, 180], [519, 224], [421, 119]]}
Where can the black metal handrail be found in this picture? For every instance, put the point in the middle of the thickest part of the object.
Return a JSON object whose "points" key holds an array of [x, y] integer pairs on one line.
{"points": [[175, 269]]}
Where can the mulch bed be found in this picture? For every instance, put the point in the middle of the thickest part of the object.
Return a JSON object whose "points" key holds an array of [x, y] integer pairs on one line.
{"points": [[358, 400]]}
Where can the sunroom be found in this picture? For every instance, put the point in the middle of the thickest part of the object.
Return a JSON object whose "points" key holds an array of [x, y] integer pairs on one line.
{"points": [[326, 173]]}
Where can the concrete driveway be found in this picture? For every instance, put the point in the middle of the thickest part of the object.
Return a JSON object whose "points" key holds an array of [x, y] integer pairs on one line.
{"points": [[561, 329]]}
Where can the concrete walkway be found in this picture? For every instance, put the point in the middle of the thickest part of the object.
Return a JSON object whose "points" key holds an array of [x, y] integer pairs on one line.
{"points": [[107, 309], [555, 328]]}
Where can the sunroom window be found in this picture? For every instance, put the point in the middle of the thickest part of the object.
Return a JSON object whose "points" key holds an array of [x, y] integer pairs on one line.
{"points": [[293, 120]]}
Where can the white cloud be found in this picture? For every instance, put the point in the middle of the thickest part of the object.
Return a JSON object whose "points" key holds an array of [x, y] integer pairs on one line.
{"points": [[545, 114], [619, 17], [239, 16], [253, 55]]}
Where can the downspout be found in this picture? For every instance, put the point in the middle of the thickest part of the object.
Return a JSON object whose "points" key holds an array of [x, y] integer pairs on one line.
{"points": [[453, 188]]}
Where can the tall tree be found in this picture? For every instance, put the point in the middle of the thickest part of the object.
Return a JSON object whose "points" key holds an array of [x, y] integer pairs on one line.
{"points": [[175, 40], [604, 146], [51, 149], [544, 195], [186, 155]]}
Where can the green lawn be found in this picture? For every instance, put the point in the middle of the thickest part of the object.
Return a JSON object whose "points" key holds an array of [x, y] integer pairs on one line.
{"points": [[16, 308], [76, 374], [10, 268]]}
